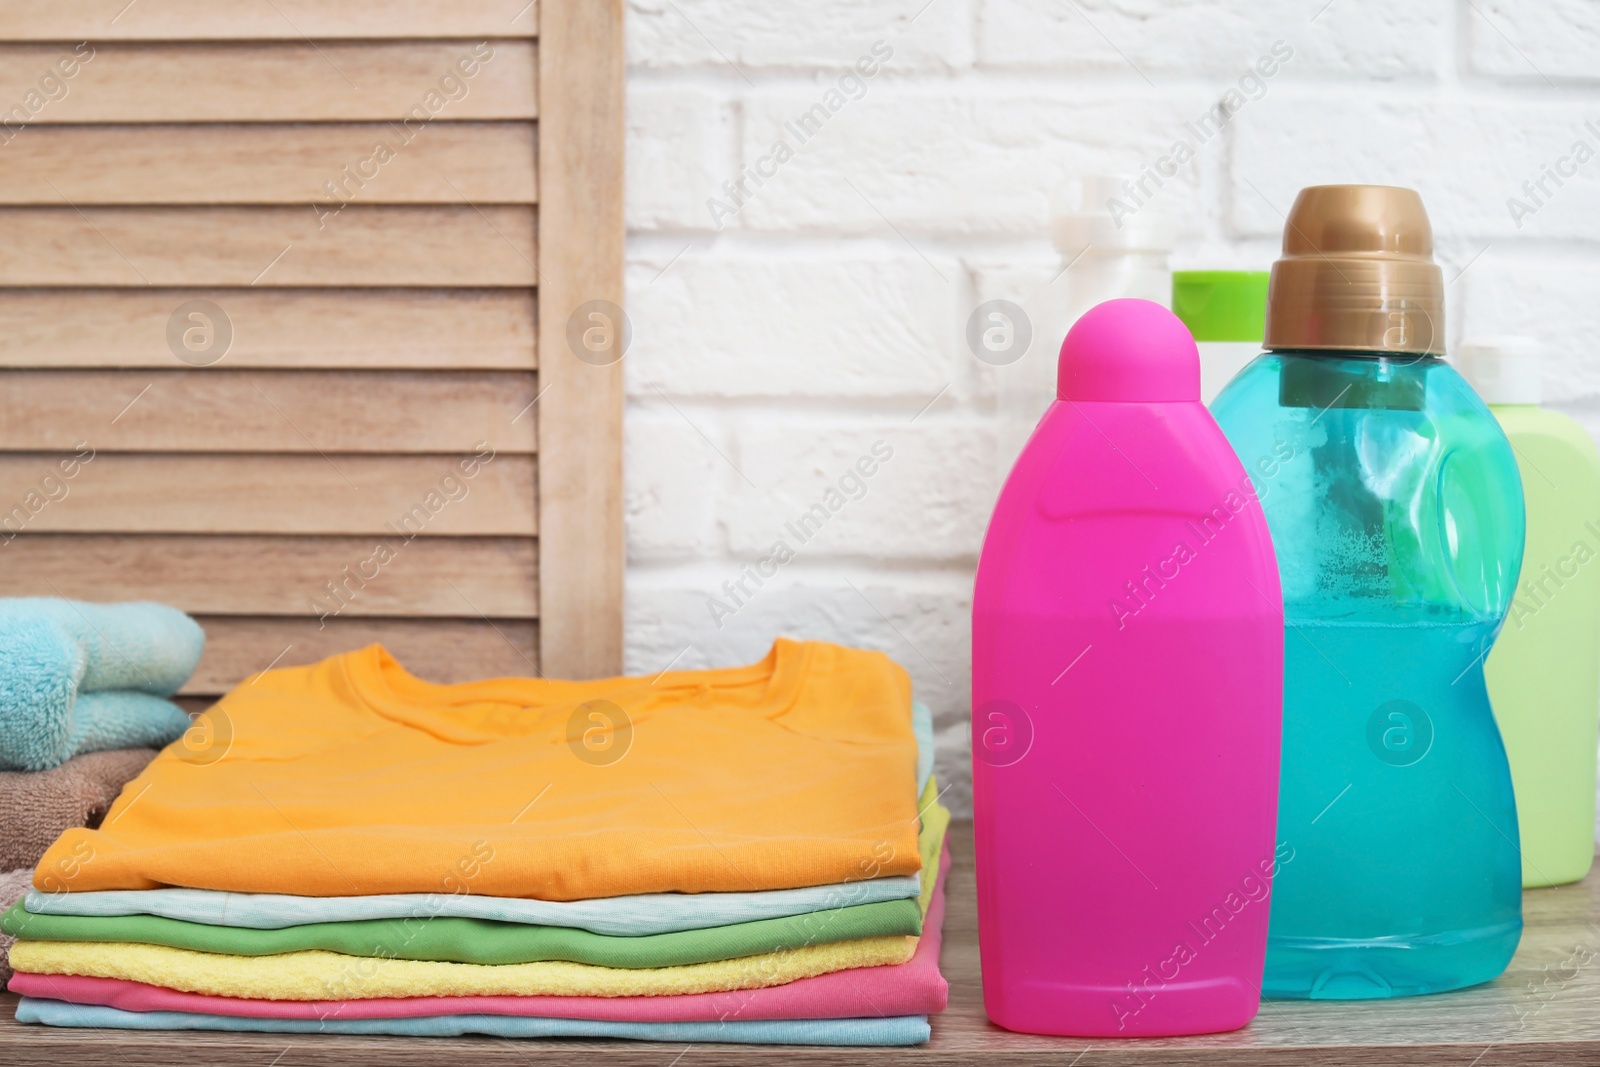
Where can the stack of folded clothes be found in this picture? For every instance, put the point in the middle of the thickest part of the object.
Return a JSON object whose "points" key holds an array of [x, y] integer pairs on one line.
{"points": [[748, 855], [82, 709]]}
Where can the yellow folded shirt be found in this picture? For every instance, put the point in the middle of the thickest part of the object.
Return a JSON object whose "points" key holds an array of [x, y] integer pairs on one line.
{"points": [[935, 823], [352, 777], [332, 976]]}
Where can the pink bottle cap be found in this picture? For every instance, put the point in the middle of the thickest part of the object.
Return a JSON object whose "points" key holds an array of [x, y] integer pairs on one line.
{"points": [[1129, 351]]}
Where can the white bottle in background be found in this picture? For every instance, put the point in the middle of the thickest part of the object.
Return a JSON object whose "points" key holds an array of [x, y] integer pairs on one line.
{"points": [[1100, 260]]}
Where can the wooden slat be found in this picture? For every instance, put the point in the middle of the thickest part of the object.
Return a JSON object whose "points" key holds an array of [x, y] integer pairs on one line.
{"points": [[273, 328], [288, 81], [256, 494], [276, 246], [200, 20], [367, 163], [439, 650], [475, 577], [215, 410], [580, 434]]}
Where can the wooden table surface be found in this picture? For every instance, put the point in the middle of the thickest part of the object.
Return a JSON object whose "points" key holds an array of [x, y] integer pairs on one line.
{"points": [[1545, 1009]]}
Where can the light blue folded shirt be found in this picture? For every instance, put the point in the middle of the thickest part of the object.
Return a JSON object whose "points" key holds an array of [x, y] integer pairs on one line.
{"points": [[645, 913], [890, 1030]]}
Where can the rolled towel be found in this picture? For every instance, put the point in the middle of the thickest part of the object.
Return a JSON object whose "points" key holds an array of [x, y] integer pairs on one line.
{"points": [[36, 806], [138, 645], [13, 885], [78, 677]]}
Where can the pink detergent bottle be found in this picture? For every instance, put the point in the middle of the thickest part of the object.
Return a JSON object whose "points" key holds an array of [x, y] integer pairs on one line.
{"points": [[1127, 694]]}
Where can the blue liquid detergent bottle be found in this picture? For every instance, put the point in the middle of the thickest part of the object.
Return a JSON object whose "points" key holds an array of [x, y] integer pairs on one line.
{"points": [[1397, 515]]}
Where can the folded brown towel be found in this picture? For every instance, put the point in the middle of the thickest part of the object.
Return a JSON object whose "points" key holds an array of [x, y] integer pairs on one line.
{"points": [[36, 806], [13, 886]]}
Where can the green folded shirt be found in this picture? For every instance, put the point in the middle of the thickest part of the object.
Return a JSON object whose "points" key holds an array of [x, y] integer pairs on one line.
{"points": [[482, 940]]}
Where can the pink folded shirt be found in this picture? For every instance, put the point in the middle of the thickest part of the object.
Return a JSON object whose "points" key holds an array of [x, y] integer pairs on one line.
{"points": [[912, 988]]}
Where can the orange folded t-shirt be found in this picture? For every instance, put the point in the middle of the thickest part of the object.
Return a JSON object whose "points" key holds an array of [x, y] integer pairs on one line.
{"points": [[352, 777]]}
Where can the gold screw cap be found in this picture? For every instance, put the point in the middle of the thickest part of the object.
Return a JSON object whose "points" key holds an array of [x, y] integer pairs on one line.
{"points": [[1357, 274]]}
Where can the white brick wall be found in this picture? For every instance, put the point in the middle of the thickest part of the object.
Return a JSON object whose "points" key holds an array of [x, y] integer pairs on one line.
{"points": [[771, 351]]}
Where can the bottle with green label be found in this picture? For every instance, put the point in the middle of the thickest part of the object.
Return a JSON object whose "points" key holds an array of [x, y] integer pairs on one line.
{"points": [[1544, 672], [1226, 311]]}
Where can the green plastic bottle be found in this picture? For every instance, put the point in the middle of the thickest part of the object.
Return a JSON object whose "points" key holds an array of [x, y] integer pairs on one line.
{"points": [[1544, 672], [1226, 311]]}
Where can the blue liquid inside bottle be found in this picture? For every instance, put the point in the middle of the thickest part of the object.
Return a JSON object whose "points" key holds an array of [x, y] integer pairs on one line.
{"points": [[1396, 512]]}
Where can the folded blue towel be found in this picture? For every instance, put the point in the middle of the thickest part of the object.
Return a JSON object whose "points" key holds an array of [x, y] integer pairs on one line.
{"points": [[78, 677]]}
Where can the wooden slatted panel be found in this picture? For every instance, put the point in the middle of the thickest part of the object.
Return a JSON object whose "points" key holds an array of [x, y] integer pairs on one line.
{"points": [[268, 411], [419, 328], [580, 181], [439, 650], [281, 81], [321, 164], [276, 246], [267, 494], [202, 20], [429, 577], [185, 155]]}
